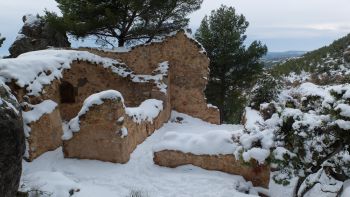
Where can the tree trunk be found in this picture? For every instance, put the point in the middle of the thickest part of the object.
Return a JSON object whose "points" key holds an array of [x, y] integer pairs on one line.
{"points": [[222, 103], [221, 114], [121, 42]]}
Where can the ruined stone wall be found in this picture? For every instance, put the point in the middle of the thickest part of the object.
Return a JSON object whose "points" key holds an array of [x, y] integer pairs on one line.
{"points": [[259, 175], [88, 79], [188, 72], [85, 79], [45, 135], [100, 137], [186, 81]]}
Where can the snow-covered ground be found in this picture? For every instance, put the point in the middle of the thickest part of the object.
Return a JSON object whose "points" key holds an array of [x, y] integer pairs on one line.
{"points": [[59, 177]]}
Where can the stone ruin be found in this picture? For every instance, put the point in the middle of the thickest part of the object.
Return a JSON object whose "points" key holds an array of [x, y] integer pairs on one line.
{"points": [[173, 71], [109, 102], [259, 175]]}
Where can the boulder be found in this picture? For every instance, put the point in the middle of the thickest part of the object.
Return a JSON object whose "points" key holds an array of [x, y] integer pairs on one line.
{"points": [[36, 34], [12, 144]]}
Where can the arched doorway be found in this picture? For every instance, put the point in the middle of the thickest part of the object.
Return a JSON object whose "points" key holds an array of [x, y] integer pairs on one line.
{"points": [[67, 92]]}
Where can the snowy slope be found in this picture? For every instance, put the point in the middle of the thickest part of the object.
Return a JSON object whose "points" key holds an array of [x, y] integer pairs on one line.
{"points": [[57, 176]]}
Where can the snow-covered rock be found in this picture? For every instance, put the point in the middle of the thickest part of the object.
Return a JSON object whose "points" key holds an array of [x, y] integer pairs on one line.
{"points": [[12, 143], [36, 34]]}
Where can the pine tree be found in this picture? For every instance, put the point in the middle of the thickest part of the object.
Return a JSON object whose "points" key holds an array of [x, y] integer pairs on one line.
{"points": [[233, 65], [2, 39], [123, 20]]}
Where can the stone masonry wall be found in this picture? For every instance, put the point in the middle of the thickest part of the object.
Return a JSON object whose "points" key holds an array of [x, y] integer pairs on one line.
{"points": [[85, 79], [187, 78], [188, 72], [45, 135], [100, 136], [258, 175], [88, 79]]}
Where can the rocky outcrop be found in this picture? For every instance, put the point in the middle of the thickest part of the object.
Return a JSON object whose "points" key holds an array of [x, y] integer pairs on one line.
{"points": [[259, 175], [36, 34], [11, 143]]}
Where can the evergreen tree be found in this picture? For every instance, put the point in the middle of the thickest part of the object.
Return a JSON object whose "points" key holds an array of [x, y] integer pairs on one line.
{"points": [[1, 40], [233, 65], [123, 20]]}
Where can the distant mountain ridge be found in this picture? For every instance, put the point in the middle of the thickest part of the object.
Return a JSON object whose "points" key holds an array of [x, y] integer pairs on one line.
{"points": [[273, 58], [322, 59], [283, 55]]}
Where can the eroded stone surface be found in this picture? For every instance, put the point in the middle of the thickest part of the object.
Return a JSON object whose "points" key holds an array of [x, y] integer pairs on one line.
{"points": [[11, 143], [100, 135], [45, 135], [185, 80], [188, 72], [259, 175]]}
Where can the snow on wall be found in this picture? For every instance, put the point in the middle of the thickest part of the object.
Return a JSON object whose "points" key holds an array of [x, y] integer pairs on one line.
{"points": [[162, 38], [147, 111], [159, 74], [95, 99], [45, 107], [212, 142], [34, 70], [39, 110]]}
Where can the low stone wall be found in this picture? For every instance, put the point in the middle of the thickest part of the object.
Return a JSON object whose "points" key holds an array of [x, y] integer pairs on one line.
{"points": [[258, 175], [100, 136]]}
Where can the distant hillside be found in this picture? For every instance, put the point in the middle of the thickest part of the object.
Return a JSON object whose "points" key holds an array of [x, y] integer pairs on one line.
{"points": [[273, 58], [283, 55], [322, 59]]}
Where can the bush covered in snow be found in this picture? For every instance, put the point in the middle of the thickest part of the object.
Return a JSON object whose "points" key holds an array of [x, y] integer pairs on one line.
{"points": [[313, 139], [307, 137], [265, 90]]}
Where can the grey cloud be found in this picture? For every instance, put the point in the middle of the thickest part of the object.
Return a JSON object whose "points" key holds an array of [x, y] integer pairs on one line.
{"points": [[281, 24]]}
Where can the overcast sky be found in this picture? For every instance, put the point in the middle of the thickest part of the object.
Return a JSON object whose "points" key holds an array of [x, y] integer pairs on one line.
{"points": [[281, 24]]}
